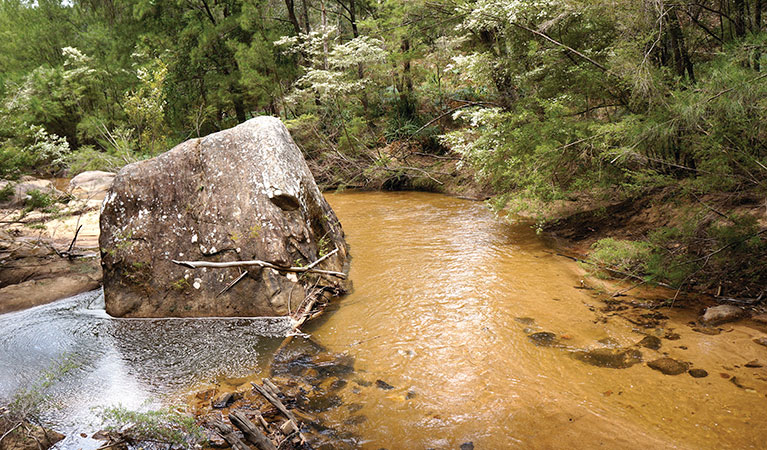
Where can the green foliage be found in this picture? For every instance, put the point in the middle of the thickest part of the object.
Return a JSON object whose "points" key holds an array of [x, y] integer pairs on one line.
{"points": [[38, 199], [44, 153], [323, 246], [7, 192], [163, 425], [145, 108], [620, 255], [711, 251]]}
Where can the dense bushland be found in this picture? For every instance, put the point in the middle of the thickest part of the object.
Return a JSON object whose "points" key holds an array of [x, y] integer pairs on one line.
{"points": [[542, 99]]}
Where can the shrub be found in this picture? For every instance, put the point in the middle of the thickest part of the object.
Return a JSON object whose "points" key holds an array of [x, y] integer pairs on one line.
{"points": [[163, 425], [38, 200], [630, 257], [6, 193]]}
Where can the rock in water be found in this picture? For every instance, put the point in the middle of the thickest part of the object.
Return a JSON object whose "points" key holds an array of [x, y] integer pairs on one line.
{"points": [[668, 366], [614, 358], [651, 342], [244, 193], [716, 315]]}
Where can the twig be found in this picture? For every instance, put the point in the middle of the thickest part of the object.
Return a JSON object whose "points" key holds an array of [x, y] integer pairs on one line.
{"points": [[274, 401], [314, 264], [10, 431], [231, 285], [733, 88], [545, 36], [72, 244], [711, 208], [114, 444], [417, 169], [255, 262]]}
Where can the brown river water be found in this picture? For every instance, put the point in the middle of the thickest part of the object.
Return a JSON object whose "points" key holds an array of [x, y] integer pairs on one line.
{"points": [[445, 298]]}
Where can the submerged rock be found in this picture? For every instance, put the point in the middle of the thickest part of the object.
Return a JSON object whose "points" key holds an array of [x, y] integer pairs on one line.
{"points": [[668, 366], [613, 358], [717, 315], [543, 338], [244, 193], [651, 342], [761, 341], [381, 384], [698, 373], [609, 342], [707, 330]]}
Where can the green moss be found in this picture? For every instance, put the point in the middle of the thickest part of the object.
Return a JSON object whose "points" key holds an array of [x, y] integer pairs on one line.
{"points": [[180, 284]]}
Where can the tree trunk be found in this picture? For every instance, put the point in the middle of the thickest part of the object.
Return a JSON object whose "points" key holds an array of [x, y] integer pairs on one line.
{"points": [[740, 18], [356, 34], [682, 60], [324, 39], [289, 4], [307, 25], [757, 29]]}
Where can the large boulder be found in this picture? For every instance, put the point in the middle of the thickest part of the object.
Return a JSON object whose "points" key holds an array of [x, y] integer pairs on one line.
{"points": [[93, 184], [244, 193]]}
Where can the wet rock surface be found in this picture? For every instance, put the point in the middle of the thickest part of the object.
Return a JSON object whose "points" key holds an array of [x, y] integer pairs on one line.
{"points": [[651, 342], [613, 358], [760, 318], [668, 366], [543, 338], [698, 373], [244, 193]]}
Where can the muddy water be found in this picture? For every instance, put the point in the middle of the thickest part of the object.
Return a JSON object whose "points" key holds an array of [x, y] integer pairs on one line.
{"points": [[446, 299]]}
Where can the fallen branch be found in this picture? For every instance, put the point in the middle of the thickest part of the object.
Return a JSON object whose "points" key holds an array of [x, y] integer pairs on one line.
{"points": [[251, 432], [270, 392], [258, 263], [229, 435], [271, 396]]}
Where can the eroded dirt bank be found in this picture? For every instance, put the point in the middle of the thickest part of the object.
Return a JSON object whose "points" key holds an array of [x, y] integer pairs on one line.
{"points": [[40, 260]]}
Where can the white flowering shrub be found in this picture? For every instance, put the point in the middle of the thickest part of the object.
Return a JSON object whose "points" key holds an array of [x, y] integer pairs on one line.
{"points": [[332, 73], [48, 148]]}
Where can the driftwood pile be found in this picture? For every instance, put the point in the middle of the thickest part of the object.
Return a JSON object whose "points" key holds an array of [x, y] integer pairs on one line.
{"points": [[280, 433]]}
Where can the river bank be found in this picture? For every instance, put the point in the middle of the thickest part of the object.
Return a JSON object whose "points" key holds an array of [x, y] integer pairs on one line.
{"points": [[50, 252]]}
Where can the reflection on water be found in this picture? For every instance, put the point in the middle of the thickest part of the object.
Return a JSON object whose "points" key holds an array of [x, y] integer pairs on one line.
{"points": [[133, 362]]}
